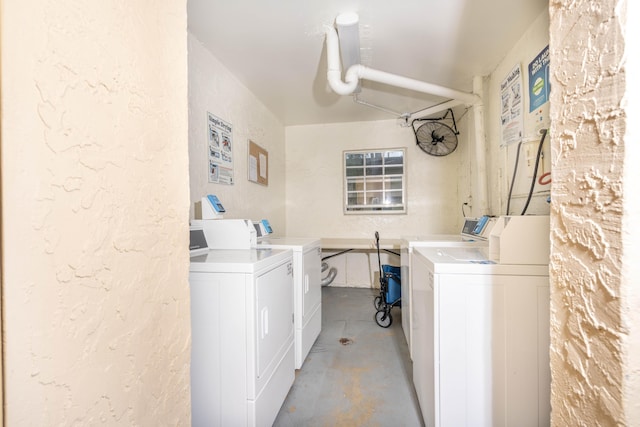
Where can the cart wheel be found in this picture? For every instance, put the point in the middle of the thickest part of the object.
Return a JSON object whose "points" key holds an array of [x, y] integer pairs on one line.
{"points": [[377, 302], [383, 318]]}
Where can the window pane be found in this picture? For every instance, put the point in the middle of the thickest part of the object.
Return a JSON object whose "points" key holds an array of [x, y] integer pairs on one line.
{"points": [[355, 171], [374, 181], [374, 171], [356, 198], [374, 159], [355, 184], [354, 159], [374, 197], [393, 197], [374, 185], [393, 158], [393, 183], [393, 170]]}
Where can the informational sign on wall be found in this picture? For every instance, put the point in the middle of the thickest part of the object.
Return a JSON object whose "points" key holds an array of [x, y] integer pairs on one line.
{"points": [[539, 80], [511, 113], [220, 150]]}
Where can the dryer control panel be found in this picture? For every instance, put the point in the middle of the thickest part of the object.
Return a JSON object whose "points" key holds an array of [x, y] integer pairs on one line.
{"points": [[478, 228]]}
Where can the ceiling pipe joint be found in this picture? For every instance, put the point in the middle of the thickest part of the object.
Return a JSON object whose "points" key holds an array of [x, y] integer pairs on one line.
{"points": [[359, 71], [334, 68]]}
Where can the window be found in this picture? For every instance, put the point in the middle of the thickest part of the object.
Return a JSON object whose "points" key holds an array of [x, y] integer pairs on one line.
{"points": [[374, 181]]}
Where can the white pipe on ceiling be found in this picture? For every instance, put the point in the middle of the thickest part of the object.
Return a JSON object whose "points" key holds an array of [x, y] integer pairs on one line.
{"points": [[359, 71], [334, 68], [349, 34]]}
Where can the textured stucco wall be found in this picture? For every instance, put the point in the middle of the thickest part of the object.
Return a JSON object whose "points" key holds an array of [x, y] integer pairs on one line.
{"points": [[630, 229], [95, 213], [594, 374], [212, 88]]}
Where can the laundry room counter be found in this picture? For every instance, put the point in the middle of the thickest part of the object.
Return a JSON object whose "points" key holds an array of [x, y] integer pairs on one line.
{"points": [[359, 244]]}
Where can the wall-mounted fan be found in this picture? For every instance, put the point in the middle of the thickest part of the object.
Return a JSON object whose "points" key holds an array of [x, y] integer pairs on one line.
{"points": [[435, 137]]}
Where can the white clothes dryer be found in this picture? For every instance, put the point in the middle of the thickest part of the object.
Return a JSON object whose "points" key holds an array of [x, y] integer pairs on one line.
{"points": [[242, 356], [307, 289], [481, 339], [472, 235]]}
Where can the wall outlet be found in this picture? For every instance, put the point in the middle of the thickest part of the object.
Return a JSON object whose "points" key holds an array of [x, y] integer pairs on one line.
{"points": [[468, 203], [541, 119], [530, 151]]}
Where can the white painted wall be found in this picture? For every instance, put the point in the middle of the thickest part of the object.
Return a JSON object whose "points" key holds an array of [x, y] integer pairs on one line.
{"points": [[314, 165], [501, 158], [95, 213], [315, 193], [212, 88]]}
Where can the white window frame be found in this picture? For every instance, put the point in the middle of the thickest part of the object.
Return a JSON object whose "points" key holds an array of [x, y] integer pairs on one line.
{"points": [[377, 185]]}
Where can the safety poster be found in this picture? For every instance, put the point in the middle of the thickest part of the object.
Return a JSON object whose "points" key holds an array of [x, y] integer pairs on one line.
{"points": [[220, 150], [511, 117]]}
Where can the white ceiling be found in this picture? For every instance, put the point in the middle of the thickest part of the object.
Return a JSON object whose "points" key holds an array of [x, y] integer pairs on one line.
{"points": [[277, 49]]}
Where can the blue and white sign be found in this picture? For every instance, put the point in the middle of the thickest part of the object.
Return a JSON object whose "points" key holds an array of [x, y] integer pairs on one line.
{"points": [[539, 80]]}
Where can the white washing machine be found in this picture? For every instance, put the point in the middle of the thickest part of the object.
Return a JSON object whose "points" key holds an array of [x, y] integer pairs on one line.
{"points": [[244, 234], [480, 339], [475, 233], [307, 289], [242, 357]]}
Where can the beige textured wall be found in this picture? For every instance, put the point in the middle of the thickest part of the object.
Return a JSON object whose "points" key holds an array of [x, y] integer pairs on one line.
{"points": [[436, 187], [95, 213], [315, 182], [212, 88], [630, 229], [594, 356]]}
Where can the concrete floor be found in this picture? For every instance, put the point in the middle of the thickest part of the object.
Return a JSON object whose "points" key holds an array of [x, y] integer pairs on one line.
{"points": [[357, 373]]}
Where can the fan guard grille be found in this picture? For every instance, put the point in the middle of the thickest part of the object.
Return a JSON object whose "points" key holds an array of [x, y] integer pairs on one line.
{"points": [[436, 139]]}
